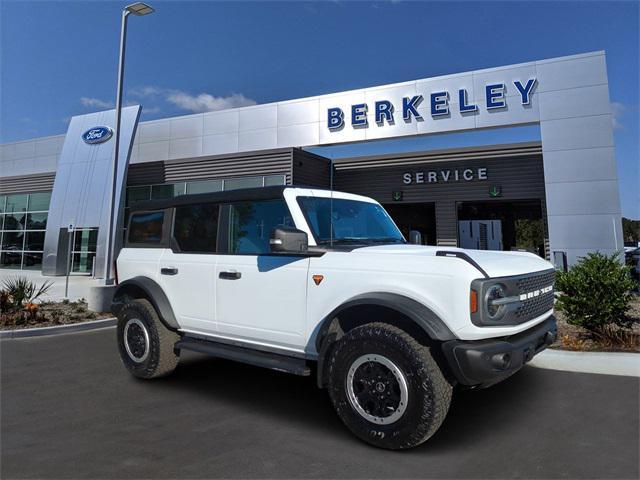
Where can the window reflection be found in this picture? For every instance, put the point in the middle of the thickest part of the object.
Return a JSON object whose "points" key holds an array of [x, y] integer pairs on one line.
{"points": [[23, 221]]}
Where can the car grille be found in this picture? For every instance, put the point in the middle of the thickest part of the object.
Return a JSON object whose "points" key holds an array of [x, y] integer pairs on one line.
{"points": [[536, 305]]}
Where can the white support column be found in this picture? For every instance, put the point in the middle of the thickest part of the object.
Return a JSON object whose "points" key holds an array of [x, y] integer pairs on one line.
{"points": [[581, 182]]}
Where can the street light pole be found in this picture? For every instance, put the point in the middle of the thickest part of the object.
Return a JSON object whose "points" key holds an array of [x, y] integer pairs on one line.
{"points": [[137, 9]]}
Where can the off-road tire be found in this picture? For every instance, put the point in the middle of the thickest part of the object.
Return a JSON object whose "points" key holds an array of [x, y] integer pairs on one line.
{"points": [[429, 393], [161, 358]]}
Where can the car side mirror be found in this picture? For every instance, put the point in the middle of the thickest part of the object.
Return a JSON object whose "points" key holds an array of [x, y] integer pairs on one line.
{"points": [[415, 237], [288, 240]]}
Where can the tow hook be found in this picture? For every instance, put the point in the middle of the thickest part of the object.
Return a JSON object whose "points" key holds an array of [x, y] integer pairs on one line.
{"points": [[550, 337]]}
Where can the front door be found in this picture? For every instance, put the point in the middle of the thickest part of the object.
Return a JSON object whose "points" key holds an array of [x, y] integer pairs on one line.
{"points": [[260, 298]]}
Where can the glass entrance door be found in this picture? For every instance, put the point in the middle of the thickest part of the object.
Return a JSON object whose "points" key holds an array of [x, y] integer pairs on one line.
{"points": [[84, 250]]}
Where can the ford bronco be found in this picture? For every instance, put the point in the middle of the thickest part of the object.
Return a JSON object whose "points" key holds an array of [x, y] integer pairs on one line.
{"points": [[304, 280]]}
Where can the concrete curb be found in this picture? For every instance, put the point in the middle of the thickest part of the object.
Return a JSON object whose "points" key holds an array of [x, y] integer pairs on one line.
{"points": [[58, 329], [606, 363]]}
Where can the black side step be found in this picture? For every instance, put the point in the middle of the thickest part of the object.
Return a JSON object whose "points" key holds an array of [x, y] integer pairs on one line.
{"points": [[282, 363]]}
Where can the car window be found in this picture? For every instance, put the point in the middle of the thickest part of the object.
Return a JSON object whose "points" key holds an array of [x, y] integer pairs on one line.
{"points": [[251, 224], [195, 227], [343, 220], [146, 227]]}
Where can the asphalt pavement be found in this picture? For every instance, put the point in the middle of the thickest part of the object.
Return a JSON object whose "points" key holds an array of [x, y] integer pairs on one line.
{"points": [[70, 410]]}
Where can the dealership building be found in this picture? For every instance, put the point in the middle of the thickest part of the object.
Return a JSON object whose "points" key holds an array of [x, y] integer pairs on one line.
{"points": [[557, 197]]}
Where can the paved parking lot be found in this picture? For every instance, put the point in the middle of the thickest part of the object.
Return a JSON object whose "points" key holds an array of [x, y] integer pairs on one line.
{"points": [[69, 410]]}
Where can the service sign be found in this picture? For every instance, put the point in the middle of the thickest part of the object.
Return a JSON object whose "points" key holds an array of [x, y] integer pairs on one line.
{"points": [[446, 175], [97, 135], [438, 104]]}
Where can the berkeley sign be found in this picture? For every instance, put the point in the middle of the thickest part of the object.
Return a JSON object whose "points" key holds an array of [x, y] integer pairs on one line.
{"points": [[384, 110]]}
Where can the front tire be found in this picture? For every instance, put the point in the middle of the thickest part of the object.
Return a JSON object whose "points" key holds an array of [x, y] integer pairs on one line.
{"points": [[386, 387], [146, 346]]}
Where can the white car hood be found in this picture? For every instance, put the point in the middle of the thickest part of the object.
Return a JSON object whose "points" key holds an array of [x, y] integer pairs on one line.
{"points": [[495, 263]]}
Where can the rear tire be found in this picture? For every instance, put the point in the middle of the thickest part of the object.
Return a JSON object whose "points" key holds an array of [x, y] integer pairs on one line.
{"points": [[146, 346], [386, 387]]}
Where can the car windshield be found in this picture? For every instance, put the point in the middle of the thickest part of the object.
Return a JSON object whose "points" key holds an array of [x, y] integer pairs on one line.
{"points": [[341, 221]]}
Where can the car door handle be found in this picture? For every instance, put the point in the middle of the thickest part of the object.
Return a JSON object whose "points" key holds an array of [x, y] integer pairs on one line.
{"points": [[169, 271], [230, 275]]}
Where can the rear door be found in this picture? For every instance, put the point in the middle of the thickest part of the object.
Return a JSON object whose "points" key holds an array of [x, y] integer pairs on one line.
{"points": [[260, 297], [187, 269]]}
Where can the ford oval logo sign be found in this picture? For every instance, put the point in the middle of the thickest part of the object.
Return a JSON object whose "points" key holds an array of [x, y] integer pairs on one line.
{"points": [[97, 135]]}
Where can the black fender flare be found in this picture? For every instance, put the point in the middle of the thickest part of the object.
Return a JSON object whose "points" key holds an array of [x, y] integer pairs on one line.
{"points": [[153, 292], [418, 313]]}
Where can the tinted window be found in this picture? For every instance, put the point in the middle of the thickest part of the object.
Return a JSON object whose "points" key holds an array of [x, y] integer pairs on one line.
{"points": [[16, 203], [39, 201], [251, 224], [138, 194], [196, 227], [167, 191], [247, 182], [204, 187], [146, 227]]}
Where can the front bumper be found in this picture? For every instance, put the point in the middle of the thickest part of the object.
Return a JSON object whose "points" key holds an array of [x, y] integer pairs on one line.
{"points": [[486, 362]]}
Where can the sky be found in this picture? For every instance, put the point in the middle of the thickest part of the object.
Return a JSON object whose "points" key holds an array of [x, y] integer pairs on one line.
{"points": [[59, 59]]}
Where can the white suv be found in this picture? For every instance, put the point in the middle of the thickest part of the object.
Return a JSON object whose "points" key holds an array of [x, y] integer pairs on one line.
{"points": [[298, 279]]}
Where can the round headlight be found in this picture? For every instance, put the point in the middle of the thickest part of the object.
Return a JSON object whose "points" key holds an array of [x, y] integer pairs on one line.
{"points": [[495, 292]]}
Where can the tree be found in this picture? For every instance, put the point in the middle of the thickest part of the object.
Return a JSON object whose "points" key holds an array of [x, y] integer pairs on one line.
{"points": [[630, 230]]}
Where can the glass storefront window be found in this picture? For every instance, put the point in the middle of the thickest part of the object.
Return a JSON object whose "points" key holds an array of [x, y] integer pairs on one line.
{"points": [[12, 240], [273, 180], [32, 261], [204, 187], [138, 194], [34, 241], [39, 202], [248, 182], [16, 203], [37, 221], [10, 259], [159, 192], [23, 221], [14, 221]]}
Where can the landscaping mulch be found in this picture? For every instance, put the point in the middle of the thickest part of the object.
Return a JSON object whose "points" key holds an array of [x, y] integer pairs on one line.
{"points": [[50, 314], [572, 337]]}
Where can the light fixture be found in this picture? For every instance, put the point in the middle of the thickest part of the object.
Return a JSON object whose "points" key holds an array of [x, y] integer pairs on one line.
{"points": [[139, 9]]}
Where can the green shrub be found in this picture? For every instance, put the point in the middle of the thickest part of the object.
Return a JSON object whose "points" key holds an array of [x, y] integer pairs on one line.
{"points": [[596, 292]]}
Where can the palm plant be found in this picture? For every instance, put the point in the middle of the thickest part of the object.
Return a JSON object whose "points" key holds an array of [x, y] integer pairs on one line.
{"points": [[20, 291]]}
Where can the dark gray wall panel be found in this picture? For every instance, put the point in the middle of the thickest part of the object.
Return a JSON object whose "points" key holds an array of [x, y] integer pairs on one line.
{"points": [[310, 169], [42, 182], [520, 178], [145, 173], [268, 162]]}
